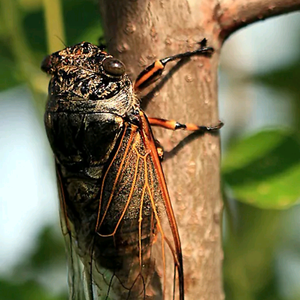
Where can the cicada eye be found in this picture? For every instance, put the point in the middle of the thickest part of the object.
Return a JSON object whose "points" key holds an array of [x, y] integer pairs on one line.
{"points": [[46, 64], [113, 67]]}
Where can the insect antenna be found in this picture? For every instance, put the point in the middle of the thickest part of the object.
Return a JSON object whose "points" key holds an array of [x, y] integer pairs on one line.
{"points": [[61, 40], [102, 44]]}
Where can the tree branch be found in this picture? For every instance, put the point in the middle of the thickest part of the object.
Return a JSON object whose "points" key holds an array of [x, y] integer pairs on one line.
{"points": [[233, 14]]}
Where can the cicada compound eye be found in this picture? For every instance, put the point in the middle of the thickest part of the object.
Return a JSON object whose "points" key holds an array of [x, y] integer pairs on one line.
{"points": [[113, 67], [46, 64]]}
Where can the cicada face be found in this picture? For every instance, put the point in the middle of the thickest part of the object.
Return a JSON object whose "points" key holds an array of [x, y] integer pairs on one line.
{"points": [[85, 72]]}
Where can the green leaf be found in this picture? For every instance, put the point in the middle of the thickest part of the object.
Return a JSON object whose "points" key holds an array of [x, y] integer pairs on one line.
{"points": [[28, 290], [264, 169]]}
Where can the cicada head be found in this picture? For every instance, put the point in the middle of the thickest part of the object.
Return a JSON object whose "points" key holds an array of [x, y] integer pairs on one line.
{"points": [[89, 97], [85, 72]]}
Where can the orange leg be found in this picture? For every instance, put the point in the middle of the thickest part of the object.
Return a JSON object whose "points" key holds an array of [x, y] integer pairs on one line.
{"points": [[160, 150], [174, 125], [154, 71]]}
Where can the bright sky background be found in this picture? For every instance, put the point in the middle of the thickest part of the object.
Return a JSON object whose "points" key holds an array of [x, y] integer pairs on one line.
{"points": [[28, 195]]}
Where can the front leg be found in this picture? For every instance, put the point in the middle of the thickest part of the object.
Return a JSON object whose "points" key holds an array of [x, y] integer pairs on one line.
{"points": [[174, 125], [154, 71]]}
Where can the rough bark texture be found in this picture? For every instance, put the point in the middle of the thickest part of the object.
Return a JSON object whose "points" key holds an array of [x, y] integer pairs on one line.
{"points": [[138, 32]]}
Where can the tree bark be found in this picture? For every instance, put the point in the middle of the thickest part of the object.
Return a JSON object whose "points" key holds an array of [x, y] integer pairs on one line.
{"points": [[235, 14], [138, 32]]}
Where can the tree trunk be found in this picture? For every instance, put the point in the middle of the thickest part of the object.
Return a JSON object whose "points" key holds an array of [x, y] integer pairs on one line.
{"points": [[138, 32]]}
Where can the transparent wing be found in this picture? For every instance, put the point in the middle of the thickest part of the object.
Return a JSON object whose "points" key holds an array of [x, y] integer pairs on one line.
{"points": [[75, 266]]}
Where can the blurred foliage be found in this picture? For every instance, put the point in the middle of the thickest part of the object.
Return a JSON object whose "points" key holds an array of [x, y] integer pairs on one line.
{"points": [[264, 169], [24, 41], [259, 171], [249, 260], [285, 79], [34, 276], [261, 174]]}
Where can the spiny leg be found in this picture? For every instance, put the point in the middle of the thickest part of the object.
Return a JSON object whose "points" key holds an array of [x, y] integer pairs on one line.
{"points": [[174, 125], [154, 71]]}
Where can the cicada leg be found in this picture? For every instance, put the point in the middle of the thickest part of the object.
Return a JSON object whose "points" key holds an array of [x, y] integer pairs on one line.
{"points": [[174, 125], [154, 71], [160, 150]]}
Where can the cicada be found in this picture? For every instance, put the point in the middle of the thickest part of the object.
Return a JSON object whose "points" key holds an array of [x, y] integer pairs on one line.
{"points": [[116, 214]]}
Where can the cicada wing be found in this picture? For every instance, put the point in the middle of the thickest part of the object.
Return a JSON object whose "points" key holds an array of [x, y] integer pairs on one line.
{"points": [[133, 249], [136, 217], [79, 281], [167, 260], [124, 229], [169, 263]]}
